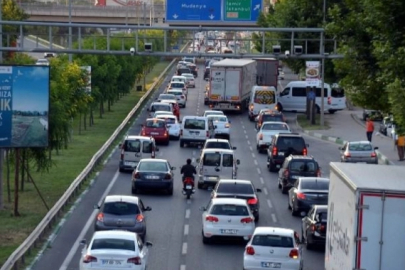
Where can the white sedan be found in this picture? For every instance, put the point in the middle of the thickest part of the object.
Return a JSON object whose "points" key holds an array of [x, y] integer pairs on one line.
{"points": [[157, 113], [114, 250], [266, 133], [181, 98], [172, 124], [222, 126], [190, 79], [273, 248], [212, 112], [227, 217]]}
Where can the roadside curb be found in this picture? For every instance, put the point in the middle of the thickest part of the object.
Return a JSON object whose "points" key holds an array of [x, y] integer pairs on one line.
{"points": [[340, 141]]}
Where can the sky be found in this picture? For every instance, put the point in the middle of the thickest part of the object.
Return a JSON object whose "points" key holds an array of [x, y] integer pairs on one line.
{"points": [[30, 88]]}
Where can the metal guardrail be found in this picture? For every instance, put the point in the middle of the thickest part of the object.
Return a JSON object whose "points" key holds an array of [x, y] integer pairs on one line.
{"points": [[53, 215]]}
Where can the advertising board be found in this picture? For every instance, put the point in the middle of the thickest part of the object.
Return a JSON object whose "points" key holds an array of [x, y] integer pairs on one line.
{"points": [[24, 106]]}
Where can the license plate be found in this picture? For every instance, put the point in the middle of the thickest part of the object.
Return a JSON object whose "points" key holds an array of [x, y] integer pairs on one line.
{"points": [[278, 166], [132, 164], [271, 265], [212, 178], [111, 262], [189, 187], [281, 153], [223, 231], [152, 177], [154, 133]]}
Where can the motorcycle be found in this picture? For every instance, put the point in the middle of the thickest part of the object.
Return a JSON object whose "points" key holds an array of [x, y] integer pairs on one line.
{"points": [[188, 187]]}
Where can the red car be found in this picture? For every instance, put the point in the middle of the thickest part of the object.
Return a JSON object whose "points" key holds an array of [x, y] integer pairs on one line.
{"points": [[157, 129], [175, 106]]}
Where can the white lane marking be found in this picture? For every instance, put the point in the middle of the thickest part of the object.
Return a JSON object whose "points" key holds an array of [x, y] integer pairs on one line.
{"points": [[184, 248], [244, 131], [246, 136], [273, 217], [265, 191], [193, 160], [261, 180], [194, 152], [186, 227], [253, 155], [255, 161], [250, 147], [182, 267], [248, 142], [187, 213], [259, 171], [243, 126], [269, 203], [86, 227], [188, 201]]}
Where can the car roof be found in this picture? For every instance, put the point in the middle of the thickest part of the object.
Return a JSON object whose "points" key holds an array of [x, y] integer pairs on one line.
{"points": [[214, 150], [274, 230], [153, 119], [228, 201], [187, 74], [235, 181], [121, 198], [301, 157], [360, 142], [166, 94], [136, 137], [176, 90], [166, 116], [153, 159], [194, 117], [274, 122], [116, 234], [158, 103], [217, 140], [289, 135], [320, 179]]}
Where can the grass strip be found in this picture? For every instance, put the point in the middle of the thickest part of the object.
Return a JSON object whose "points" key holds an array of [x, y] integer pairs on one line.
{"points": [[306, 124], [69, 163]]}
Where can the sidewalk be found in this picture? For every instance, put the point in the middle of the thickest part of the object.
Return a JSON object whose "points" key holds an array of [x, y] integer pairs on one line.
{"points": [[347, 126]]}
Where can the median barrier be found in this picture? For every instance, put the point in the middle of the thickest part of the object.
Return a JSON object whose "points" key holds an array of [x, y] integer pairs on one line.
{"points": [[17, 259], [42, 41]]}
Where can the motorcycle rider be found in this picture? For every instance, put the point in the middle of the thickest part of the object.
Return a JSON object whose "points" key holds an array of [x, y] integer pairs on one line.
{"points": [[188, 170]]}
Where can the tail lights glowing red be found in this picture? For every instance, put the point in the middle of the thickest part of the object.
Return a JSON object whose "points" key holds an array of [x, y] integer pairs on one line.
{"points": [[286, 173], [89, 259], [247, 220], [252, 201], [294, 254], [139, 218], [274, 151], [305, 151], [373, 154], [135, 260], [250, 250], [301, 196], [313, 228], [211, 219], [347, 155], [100, 217]]}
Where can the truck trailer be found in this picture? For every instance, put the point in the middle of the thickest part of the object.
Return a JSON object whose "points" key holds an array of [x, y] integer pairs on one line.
{"points": [[230, 83], [267, 72], [366, 217]]}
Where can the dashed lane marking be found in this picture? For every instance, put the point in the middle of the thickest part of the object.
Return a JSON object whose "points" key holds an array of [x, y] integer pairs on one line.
{"points": [[194, 152], [244, 131], [184, 248], [186, 228], [255, 161], [182, 267], [188, 201], [265, 191], [253, 155], [259, 171], [261, 180], [246, 136], [250, 147], [243, 126], [248, 142], [273, 217], [269, 203], [187, 213]]}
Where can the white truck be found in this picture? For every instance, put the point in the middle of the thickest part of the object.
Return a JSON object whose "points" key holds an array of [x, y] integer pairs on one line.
{"points": [[366, 217], [230, 84]]}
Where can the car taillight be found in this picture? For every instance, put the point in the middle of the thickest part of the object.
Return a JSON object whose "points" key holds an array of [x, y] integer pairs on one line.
{"points": [[252, 201], [329, 100], [143, 133], [305, 151], [347, 155], [168, 176], [227, 125], [208, 134], [286, 173], [313, 228], [261, 136], [250, 250], [318, 173], [89, 259], [181, 132], [165, 134], [301, 196], [322, 228], [100, 217], [137, 175], [373, 154], [135, 260], [274, 151], [139, 218], [211, 219], [294, 254], [251, 107], [246, 220], [122, 154]]}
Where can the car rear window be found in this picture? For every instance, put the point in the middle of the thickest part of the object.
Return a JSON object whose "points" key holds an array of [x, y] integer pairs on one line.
{"points": [[296, 144], [177, 85], [218, 118], [360, 147], [167, 96], [275, 127], [337, 92], [176, 93], [161, 107], [152, 166], [303, 166], [272, 118], [120, 208], [220, 145], [235, 188], [212, 159], [273, 241], [194, 124], [229, 210], [155, 124], [111, 243], [315, 185]]}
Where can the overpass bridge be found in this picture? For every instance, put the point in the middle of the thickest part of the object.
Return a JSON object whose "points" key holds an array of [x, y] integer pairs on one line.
{"points": [[132, 15]]}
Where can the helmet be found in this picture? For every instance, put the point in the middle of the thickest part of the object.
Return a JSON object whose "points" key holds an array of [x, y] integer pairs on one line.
{"points": [[188, 161]]}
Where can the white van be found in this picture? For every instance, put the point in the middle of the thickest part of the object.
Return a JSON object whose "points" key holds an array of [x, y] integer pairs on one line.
{"points": [[179, 79], [338, 99], [262, 97], [294, 97], [216, 164], [196, 130], [159, 106], [135, 148]]}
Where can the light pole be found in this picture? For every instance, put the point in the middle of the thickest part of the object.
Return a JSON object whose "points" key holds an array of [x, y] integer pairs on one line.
{"points": [[322, 52], [70, 30], [1, 150]]}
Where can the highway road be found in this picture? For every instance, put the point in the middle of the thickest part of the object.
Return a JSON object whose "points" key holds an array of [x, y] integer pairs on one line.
{"points": [[30, 43], [174, 224]]}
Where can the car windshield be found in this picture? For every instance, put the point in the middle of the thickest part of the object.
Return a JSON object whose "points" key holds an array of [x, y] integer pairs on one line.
{"points": [[167, 96], [152, 166], [275, 127], [218, 118], [360, 147], [177, 84], [235, 188], [264, 97], [212, 159], [218, 145], [111, 243], [132, 146], [314, 185], [227, 160], [273, 241], [272, 118], [161, 107], [303, 166], [155, 124], [229, 210], [120, 208], [194, 124]]}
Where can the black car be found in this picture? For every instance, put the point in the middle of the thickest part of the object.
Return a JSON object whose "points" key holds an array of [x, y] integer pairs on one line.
{"points": [[306, 192], [282, 146], [194, 69], [207, 74], [240, 189], [295, 167], [314, 225], [183, 70]]}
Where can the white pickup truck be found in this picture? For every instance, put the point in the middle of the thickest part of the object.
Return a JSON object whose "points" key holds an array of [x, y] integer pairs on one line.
{"points": [[266, 133]]}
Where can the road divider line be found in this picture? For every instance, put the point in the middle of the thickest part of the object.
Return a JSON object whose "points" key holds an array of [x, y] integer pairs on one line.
{"points": [[187, 213], [186, 228], [188, 201], [182, 267], [243, 126], [261, 180], [259, 171], [250, 147], [244, 130], [246, 136], [248, 142], [184, 248], [255, 161], [253, 155], [265, 191], [194, 152], [273, 217], [86, 227], [269, 203]]}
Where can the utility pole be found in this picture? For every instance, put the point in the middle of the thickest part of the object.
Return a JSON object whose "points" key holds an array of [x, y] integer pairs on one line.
{"points": [[70, 30], [322, 52], [1, 149]]}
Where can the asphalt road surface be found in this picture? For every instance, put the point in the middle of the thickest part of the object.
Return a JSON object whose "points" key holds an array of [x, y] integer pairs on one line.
{"points": [[174, 224], [32, 44]]}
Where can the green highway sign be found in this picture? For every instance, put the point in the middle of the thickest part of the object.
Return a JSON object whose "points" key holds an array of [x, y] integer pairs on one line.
{"points": [[237, 10]]}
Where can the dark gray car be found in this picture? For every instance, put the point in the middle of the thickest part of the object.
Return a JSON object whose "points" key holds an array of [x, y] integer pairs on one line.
{"points": [[122, 213]]}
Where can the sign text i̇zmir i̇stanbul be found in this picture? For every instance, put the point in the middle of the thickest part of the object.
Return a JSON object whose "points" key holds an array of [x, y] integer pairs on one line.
{"points": [[24, 106]]}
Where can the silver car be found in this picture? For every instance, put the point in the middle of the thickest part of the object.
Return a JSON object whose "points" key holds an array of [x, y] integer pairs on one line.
{"points": [[360, 151]]}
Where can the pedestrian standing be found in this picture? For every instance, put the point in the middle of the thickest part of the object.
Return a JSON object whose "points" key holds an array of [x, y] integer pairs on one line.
{"points": [[369, 128], [400, 143]]}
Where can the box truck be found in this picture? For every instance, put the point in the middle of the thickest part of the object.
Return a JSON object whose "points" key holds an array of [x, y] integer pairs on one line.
{"points": [[267, 72], [230, 83], [366, 217]]}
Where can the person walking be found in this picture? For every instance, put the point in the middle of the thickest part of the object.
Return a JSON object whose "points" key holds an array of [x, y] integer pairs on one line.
{"points": [[400, 143], [369, 128]]}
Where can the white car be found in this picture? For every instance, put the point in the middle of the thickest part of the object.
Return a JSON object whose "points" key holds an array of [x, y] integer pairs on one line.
{"points": [[273, 248], [42, 62], [227, 217], [172, 124], [212, 112], [166, 97], [190, 79], [182, 64], [222, 126], [218, 144], [181, 98], [179, 86], [266, 133], [114, 250], [157, 113]]}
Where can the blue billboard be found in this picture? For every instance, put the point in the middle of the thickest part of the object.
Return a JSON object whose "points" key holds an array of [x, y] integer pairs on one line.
{"points": [[24, 106]]}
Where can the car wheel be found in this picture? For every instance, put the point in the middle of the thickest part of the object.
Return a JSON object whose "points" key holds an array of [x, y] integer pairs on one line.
{"points": [[205, 240], [177, 138], [293, 211], [199, 186], [181, 143], [121, 170], [184, 105], [279, 185]]}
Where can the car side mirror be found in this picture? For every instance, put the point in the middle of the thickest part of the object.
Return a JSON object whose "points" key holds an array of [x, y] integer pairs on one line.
{"points": [[147, 208], [375, 148], [258, 190], [173, 168], [234, 148], [238, 161], [203, 208], [83, 242], [149, 244], [96, 206]]}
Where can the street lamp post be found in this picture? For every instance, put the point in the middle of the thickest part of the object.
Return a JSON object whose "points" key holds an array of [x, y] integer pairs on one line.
{"points": [[70, 30], [322, 52]]}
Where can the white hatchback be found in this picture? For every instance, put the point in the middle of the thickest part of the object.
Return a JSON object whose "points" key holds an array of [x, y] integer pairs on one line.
{"points": [[190, 79], [227, 217], [181, 98], [114, 250], [172, 124], [222, 126], [212, 112], [273, 248]]}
